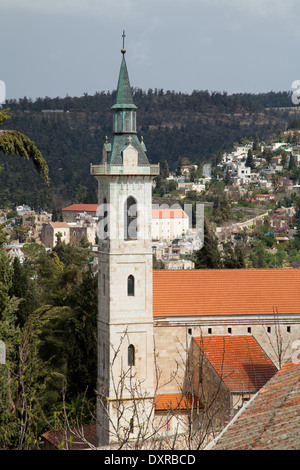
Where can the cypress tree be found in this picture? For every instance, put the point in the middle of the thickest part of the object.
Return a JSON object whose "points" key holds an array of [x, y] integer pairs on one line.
{"points": [[208, 257]]}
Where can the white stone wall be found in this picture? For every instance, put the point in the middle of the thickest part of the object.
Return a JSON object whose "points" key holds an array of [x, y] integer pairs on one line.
{"points": [[125, 320], [278, 337], [167, 228]]}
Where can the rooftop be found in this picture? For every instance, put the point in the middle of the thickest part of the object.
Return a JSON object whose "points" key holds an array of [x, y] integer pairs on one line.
{"points": [[83, 437], [168, 214], [271, 419], [176, 401], [239, 361], [216, 291], [81, 207], [124, 94], [59, 224]]}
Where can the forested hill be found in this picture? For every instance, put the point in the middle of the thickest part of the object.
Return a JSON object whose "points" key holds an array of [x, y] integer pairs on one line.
{"points": [[70, 133]]}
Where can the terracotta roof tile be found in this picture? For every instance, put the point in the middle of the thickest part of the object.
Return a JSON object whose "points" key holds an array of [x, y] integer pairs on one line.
{"points": [[73, 439], [239, 361], [225, 292], [156, 213], [82, 207], [271, 420], [176, 401], [168, 214], [59, 224]]}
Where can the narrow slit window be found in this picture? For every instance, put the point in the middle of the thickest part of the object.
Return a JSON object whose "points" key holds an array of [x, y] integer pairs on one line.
{"points": [[130, 286], [104, 284], [127, 122], [131, 355], [130, 219]]}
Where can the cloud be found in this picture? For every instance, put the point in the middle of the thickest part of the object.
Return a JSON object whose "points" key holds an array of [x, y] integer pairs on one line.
{"points": [[71, 7], [108, 10], [171, 44]]}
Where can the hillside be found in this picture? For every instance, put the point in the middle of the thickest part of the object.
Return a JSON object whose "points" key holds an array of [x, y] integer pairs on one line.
{"points": [[70, 133]]}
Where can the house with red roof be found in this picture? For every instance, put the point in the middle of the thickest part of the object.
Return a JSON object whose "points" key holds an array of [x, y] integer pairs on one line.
{"points": [[271, 419], [228, 371], [71, 213], [166, 223], [240, 323], [183, 344]]}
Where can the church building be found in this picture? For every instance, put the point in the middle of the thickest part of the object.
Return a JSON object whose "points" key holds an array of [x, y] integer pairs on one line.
{"points": [[182, 347]]}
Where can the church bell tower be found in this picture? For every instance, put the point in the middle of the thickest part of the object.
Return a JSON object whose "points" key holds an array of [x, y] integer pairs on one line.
{"points": [[125, 382]]}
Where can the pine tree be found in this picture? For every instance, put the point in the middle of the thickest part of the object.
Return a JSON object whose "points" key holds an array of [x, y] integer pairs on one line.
{"points": [[165, 169], [24, 375], [13, 142], [249, 160], [23, 288], [255, 146], [233, 258], [208, 257]]}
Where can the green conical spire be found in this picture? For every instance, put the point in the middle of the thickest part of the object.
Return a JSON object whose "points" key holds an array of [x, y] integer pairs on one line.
{"points": [[124, 121], [124, 95]]}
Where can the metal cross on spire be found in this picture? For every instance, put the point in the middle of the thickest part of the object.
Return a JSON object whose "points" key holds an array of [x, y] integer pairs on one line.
{"points": [[123, 36]]}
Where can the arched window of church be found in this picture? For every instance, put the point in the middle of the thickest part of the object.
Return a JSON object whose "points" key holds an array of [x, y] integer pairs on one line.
{"points": [[134, 122], [127, 122], [130, 219], [130, 285], [118, 122], [131, 354]]}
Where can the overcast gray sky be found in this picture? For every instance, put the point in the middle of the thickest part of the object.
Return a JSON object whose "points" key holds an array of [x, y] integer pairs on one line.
{"points": [[70, 47]]}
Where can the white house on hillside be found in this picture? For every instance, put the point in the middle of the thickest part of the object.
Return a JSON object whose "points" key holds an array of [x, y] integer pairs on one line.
{"points": [[168, 224]]}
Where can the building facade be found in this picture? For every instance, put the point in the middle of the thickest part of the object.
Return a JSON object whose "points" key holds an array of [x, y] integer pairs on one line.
{"points": [[168, 224], [147, 320], [125, 321], [51, 231]]}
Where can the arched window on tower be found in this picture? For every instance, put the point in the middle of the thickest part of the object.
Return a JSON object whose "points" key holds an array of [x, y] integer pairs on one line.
{"points": [[118, 122], [127, 122], [130, 285], [130, 219], [131, 355]]}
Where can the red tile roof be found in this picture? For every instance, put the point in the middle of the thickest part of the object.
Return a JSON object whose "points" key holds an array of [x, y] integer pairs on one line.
{"points": [[156, 213], [239, 361], [271, 420], [82, 208], [176, 401], [84, 437], [225, 292], [168, 214], [59, 224]]}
